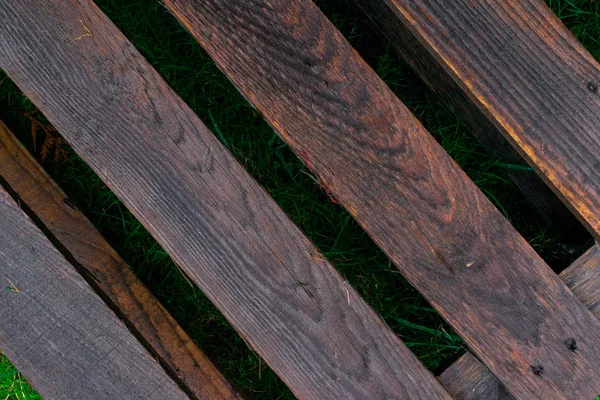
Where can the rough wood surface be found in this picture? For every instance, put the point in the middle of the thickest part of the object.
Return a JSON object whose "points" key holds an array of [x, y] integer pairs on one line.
{"points": [[217, 223], [373, 155], [107, 273], [583, 278], [58, 332], [547, 204], [469, 379], [527, 74]]}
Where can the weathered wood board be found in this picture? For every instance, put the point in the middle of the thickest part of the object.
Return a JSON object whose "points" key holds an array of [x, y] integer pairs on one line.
{"points": [[469, 379], [547, 204], [523, 70], [378, 161], [58, 332], [107, 273], [216, 222], [583, 277]]}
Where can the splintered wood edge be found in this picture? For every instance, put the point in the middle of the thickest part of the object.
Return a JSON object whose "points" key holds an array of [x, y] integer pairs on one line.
{"points": [[110, 276], [469, 379]]}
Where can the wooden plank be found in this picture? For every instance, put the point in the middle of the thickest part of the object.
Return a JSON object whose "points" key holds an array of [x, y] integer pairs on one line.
{"points": [[216, 222], [524, 71], [378, 161], [439, 80], [107, 273], [469, 379], [58, 332], [583, 277]]}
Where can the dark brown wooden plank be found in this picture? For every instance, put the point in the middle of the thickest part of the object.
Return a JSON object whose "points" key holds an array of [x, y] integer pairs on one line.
{"points": [[216, 222], [583, 278], [58, 332], [547, 204], [524, 71], [108, 274], [469, 379], [374, 156]]}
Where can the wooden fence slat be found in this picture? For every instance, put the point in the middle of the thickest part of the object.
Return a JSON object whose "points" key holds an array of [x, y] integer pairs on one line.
{"points": [[525, 72], [58, 332], [469, 379], [378, 161], [439, 80], [583, 278], [108, 274], [216, 222]]}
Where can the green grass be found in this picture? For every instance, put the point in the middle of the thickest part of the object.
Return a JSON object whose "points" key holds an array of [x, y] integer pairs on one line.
{"points": [[13, 385], [200, 83]]}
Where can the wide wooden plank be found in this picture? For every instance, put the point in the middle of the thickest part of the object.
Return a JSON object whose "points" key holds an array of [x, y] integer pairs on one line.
{"points": [[469, 379], [378, 161], [107, 273], [216, 222], [58, 332], [524, 71], [547, 204]]}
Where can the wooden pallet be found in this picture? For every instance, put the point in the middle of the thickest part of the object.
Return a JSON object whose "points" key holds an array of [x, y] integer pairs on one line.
{"points": [[529, 331]]}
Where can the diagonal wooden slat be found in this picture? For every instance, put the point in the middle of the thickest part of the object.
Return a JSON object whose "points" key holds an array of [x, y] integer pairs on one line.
{"points": [[469, 379], [526, 74], [373, 155], [58, 332], [547, 204], [108, 274], [583, 277], [215, 221]]}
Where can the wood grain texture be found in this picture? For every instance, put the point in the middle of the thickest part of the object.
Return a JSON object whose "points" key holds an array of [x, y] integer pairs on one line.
{"points": [[583, 278], [58, 332], [373, 155], [439, 80], [108, 274], [216, 222], [469, 379], [527, 74]]}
